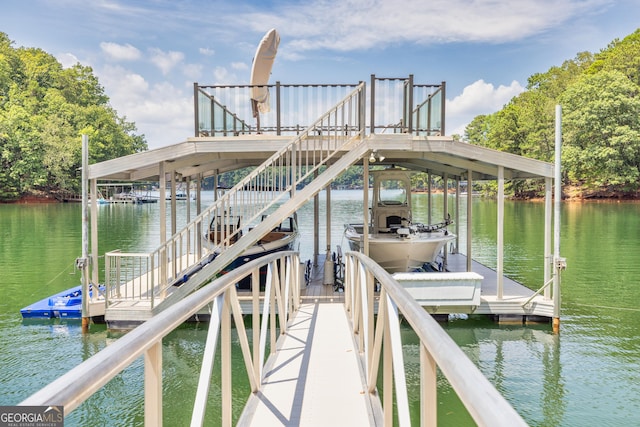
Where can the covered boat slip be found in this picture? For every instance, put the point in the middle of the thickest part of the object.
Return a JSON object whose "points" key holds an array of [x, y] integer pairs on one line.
{"points": [[296, 158]]}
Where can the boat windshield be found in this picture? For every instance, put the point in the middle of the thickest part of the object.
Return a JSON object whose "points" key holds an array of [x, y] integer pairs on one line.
{"points": [[392, 192]]}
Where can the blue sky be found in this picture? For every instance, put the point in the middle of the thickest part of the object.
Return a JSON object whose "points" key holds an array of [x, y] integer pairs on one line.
{"points": [[148, 53]]}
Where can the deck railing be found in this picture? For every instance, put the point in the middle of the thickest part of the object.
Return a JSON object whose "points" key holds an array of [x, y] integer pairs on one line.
{"points": [[280, 298], [379, 339], [398, 105], [222, 223]]}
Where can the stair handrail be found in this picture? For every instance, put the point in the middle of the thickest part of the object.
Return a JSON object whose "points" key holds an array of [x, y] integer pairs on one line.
{"points": [[249, 200]]}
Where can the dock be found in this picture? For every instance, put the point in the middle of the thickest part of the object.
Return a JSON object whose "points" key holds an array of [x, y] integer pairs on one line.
{"points": [[335, 338]]}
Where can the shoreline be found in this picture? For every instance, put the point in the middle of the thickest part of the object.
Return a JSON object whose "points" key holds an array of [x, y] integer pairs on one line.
{"points": [[570, 195]]}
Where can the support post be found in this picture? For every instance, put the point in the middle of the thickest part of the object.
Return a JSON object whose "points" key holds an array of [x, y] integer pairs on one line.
{"points": [[559, 263], [153, 385], [82, 263], [163, 224], [548, 255], [500, 230], [365, 211], [469, 218], [95, 272]]}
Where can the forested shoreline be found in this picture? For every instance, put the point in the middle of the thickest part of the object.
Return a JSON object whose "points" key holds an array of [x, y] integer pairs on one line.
{"points": [[599, 95], [45, 108]]}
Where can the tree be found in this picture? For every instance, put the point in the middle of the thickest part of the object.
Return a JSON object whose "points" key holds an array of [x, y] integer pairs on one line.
{"points": [[44, 109], [601, 124]]}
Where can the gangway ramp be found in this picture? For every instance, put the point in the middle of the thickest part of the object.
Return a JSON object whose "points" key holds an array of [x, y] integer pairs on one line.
{"points": [[314, 378]]}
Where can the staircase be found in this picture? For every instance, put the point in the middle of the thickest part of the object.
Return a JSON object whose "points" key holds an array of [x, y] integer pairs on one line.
{"points": [[141, 285]]}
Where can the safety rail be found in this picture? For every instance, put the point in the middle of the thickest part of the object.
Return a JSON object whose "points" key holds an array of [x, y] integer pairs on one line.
{"points": [[281, 297], [400, 105], [378, 337], [397, 103], [219, 108], [217, 227]]}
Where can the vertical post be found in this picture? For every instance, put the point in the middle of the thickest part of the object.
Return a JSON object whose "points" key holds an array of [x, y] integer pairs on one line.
{"points": [[548, 256], [153, 385], [95, 273], [443, 92], [365, 209], [163, 224], [278, 110], [445, 214], [500, 232], [225, 361], [328, 262], [457, 223], [372, 117], [558, 262], [316, 225], [429, 198], [82, 262], [469, 218], [196, 113], [429, 389]]}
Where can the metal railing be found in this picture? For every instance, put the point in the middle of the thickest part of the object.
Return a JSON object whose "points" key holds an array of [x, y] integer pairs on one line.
{"points": [[225, 110], [378, 337], [281, 297], [185, 252], [397, 104]]}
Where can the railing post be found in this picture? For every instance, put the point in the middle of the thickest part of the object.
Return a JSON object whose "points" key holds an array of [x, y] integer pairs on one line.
{"points": [[153, 385], [428, 389], [196, 113], [225, 353]]}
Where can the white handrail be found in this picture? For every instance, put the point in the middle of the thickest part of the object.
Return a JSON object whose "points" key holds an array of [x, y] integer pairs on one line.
{"points": [[77, 385], [251, 198], [484, 403]]}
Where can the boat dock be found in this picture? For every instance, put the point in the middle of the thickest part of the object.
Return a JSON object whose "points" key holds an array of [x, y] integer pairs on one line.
{"points": [[328, 339]]}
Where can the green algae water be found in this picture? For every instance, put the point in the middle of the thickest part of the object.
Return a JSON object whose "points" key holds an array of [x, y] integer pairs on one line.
{"points": [[588, 375]]}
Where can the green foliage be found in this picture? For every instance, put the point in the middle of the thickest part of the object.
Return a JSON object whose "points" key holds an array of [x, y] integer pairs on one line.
{"points": [[601, 119], [44, 110]]}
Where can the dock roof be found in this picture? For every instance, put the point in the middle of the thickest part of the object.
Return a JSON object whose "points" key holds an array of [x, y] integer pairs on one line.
{"points": [[212, 155]]}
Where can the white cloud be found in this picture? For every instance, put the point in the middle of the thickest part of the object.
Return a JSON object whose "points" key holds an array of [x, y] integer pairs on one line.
{"points": [[67, 59], [478, 98], [165, 61], [162, 112], [206, 51], [192, 72], [323, 24], [120, 52], [239, 66]]}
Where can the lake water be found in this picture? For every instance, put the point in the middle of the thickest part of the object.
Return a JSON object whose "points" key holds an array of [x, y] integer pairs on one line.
{"points": [[588, 375]]}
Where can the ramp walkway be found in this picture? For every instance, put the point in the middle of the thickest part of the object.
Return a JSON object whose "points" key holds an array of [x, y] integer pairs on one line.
{"points": [[315, 377]]}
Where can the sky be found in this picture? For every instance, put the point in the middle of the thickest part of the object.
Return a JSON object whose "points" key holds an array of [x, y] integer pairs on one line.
{"points": [[148, 53]]}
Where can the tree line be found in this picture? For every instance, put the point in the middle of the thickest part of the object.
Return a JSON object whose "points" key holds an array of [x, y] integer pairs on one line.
{"points": [[44, 110], [600, 122]]}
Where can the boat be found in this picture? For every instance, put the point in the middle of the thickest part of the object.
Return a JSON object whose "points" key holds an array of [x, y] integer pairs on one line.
{"points": [[395, 241], [281, 238], [64, 305]]}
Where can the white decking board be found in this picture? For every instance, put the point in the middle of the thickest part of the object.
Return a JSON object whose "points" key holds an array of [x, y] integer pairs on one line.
{"points": [[315, 378], [514, 293]]}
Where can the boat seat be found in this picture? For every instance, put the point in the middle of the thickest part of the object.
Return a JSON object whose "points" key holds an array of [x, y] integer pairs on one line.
{"points": [[271, 237]]}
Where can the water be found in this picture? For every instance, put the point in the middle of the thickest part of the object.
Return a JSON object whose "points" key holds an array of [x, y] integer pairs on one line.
{"points": [[588, 375]]}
